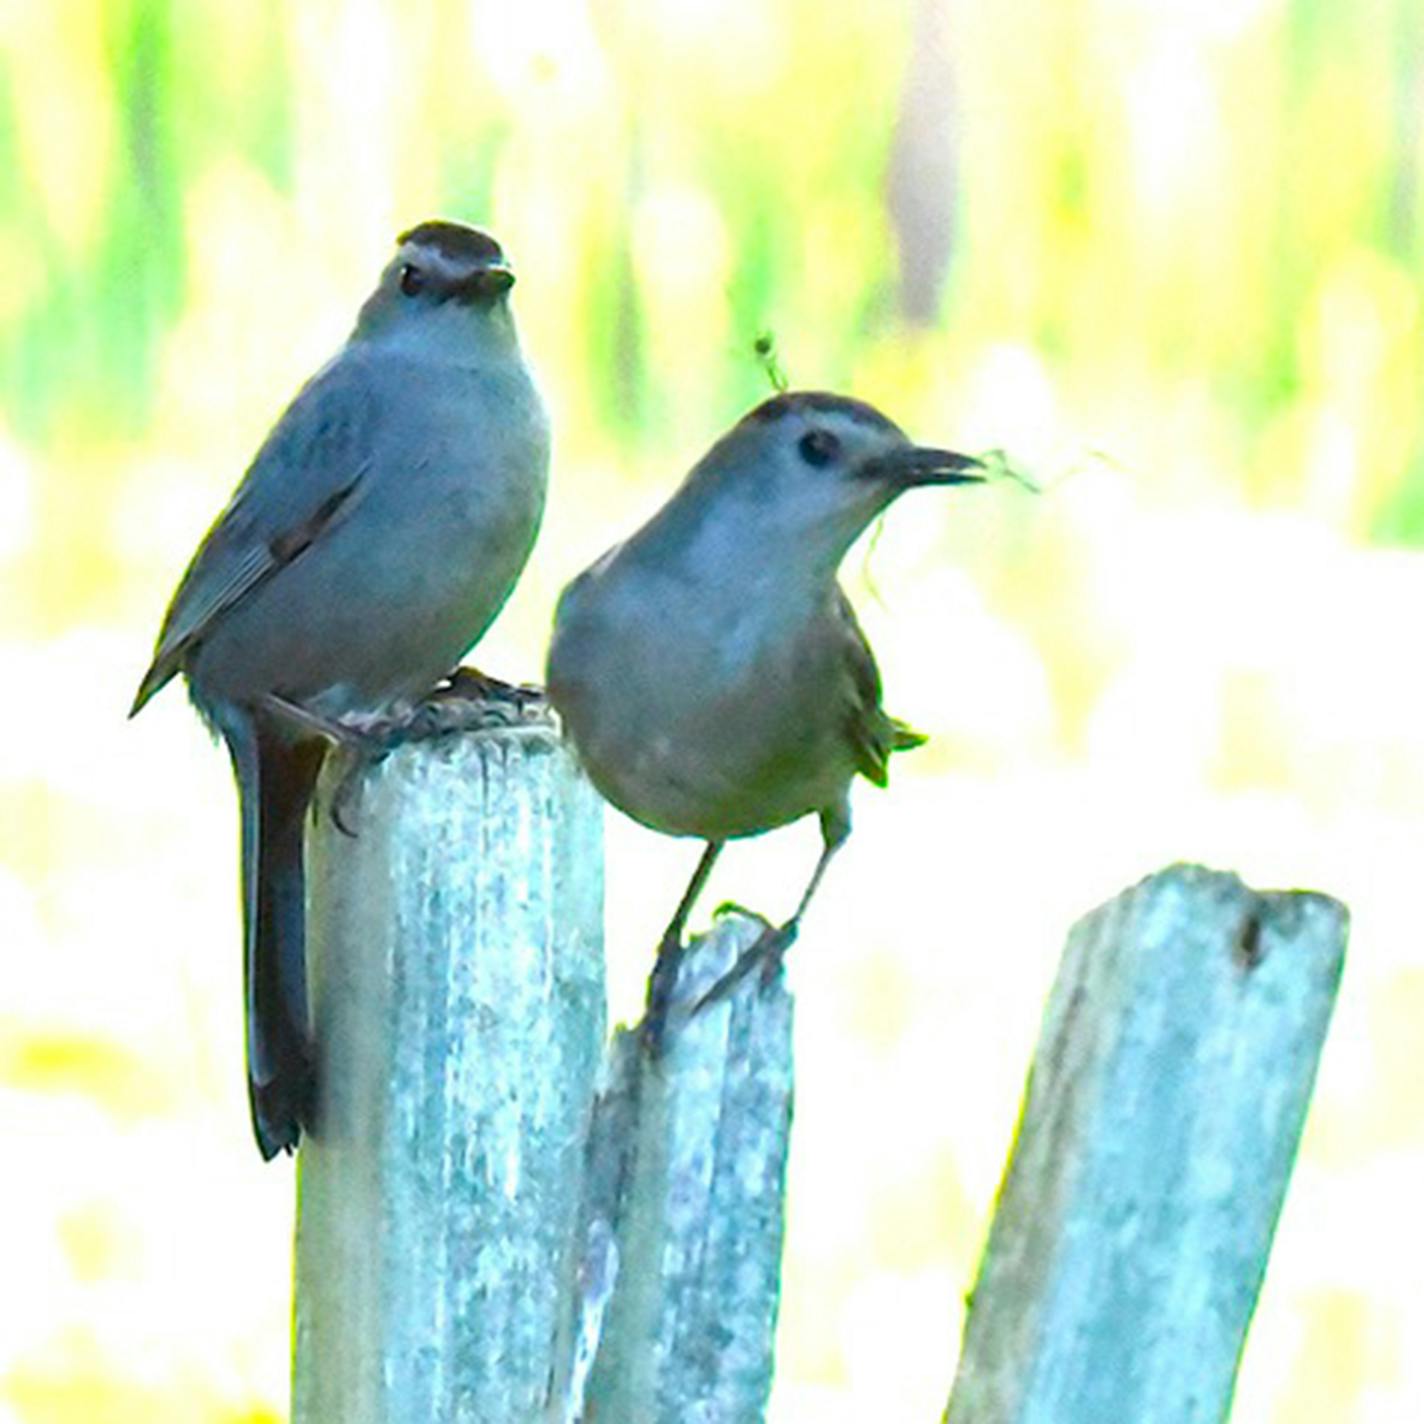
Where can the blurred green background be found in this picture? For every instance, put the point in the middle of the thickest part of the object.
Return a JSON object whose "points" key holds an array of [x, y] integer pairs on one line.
{"points": [[1166, 252]]}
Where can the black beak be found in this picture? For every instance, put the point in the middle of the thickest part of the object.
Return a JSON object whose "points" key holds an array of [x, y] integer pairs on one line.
{"points": [[484, 283], [913, 465]]}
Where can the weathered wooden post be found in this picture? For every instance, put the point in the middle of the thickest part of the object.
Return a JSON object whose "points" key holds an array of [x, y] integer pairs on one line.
{"points": [[1159, 1128], [684, 1194], [483, 1237], [456, 966]]}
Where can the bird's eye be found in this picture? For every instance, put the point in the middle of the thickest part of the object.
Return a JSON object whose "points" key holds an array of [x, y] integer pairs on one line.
{"points": [[819, 447], [412, 279]]}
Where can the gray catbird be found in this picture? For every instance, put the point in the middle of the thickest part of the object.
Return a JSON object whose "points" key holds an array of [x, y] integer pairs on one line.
{"points": [[369, 545], [710, 670]]}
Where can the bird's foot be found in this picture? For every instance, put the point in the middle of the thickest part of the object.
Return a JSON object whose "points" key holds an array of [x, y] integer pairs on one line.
{"points": [[766, 954], [369, 741], [363, 741], [469, 701], [479, 686]]}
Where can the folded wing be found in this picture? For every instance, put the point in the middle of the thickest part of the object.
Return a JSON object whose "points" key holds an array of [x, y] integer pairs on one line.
{"points": [[872, 733], [304, 479]]}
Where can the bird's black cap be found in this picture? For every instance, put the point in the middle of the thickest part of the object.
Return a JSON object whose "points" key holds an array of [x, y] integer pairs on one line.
{"points": [[793, 402], [454, 241]]}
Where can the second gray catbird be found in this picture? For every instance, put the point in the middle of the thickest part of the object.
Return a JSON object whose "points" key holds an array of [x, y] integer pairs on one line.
{"points": [[710, 670], [371, 542]]}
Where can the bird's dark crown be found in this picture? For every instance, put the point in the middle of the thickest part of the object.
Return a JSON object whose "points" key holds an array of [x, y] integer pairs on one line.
{"points": [[454, 241], [796, 402]]}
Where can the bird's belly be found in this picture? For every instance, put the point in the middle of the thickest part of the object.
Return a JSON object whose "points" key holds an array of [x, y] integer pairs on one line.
{"points": [[719, 771], [380, 609]]}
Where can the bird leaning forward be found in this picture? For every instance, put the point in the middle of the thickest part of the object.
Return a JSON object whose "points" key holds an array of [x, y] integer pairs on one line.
{"points": [[710, 671], [372, 541]]}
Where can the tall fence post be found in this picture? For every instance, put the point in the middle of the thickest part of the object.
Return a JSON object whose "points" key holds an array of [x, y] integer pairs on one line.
{"points": [[456, 966], [1159, 1128]]}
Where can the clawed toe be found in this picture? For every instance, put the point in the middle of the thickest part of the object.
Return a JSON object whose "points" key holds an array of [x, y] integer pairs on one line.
{"points": [[662, 983], [344, 798], [469, 701], [366, 746], [766, 954], [773, 957]]}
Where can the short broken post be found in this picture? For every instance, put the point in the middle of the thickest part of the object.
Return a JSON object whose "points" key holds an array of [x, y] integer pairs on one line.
{"points": [[1159, 1128], [683, 1216]]}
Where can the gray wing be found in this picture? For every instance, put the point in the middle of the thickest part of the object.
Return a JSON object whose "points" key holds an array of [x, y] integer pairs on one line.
{"points": [[301, 482], [872, 733]]}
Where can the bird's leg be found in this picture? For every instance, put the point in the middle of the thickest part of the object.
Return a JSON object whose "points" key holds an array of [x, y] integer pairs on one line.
{"points": [[771, 945], [663, 980], [348, 739], [467, 701], [302, 719], [360, 741]]}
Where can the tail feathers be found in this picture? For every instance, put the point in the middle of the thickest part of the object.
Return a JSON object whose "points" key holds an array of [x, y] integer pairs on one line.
{"points": [[276, 787], [283, 1106]]}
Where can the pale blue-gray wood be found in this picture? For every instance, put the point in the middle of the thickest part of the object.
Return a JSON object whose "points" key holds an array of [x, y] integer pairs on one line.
{"points": [[675, 1318], [1159, 1129], [456, 962]]}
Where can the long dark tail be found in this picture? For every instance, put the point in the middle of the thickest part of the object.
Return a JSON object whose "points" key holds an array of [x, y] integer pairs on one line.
{"points": [[275, 778]]}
